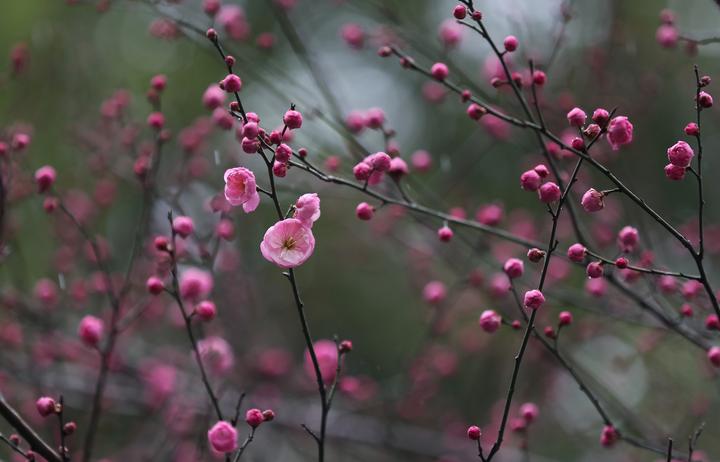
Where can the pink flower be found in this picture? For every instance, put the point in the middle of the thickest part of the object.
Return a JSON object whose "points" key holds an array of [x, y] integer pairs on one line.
{"points": [[241, 189], [216, 355], [293, 119], [510, 43], [398, 167], [254, 417], [206, 310], [609, 436], [364, 211], [445, 234], [473, 431], [713, 356], [576, 117], [231, 83], [673, 172], [620, 132], [91, 330], [592, 200], [232, 18], [421, 160], [223, 437], [680, 154], [565, 318], [534, 299], [213, 97], [439, 71], [183, 226], [355, 121], [705, 99], [434, 292], [576, 253], [353, 35], [288, 243], [529, 412], [667, 36], [307, 209], [327, 357], [45, 177], [594, 269], [45, 406], [530, 180], [514, 268], [195, 283], [628, 238], [490, 321], [549, 192], [450, 33]]}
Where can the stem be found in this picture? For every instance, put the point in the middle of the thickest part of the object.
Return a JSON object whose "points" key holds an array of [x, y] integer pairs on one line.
{"points": [[23, 428]]}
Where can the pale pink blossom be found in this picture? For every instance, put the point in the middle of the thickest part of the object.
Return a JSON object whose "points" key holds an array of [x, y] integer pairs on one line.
{"points": [[288, 243], [241, 189], [307, 209]]}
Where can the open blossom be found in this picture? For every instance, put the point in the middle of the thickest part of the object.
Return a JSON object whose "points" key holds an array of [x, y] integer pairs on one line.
{"points": [[620, 132], [307, 209], [680, 154], [223, 437], [288, 243], [241, 189], [327, 357], [217, 354]]}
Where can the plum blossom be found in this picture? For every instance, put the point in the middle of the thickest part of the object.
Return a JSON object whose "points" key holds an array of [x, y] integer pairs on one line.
{"points": [[288, 243], [241, 189]]}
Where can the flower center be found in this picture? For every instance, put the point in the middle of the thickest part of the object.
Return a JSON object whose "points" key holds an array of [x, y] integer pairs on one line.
{"points": [[289, 243]]}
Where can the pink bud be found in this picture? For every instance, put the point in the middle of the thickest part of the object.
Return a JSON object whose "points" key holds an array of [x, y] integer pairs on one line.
{"points": [[439, 71], [628, 238], [712, 322], [576, 253], [283, 153], [183, 226], [293, 119], [565, 318], [364, 211], [533, 299], [231, 83], [90, 330], [713, 355], [156, 120], [600, 116], [674, 172], [475, 111], [530, 180], [549, 192], [279, 169], [45, 406], [680, 154], [490, 321], [529, 412], [445, 234], [609, 436], [459, 12], [705, 100], [254, 417], [535, 255], [154, 285], [514, 268], [45, 177], [692, 129], [474, 433], [206, 310], [379, 161], [510, 43], [158, 82], [621, 262], [594, 269], [592, 200], [223, 437], [539, 78], [686, 310], [576, 117]]}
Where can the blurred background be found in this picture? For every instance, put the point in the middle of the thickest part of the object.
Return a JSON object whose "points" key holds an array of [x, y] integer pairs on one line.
{"points": [[419, 373]]}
